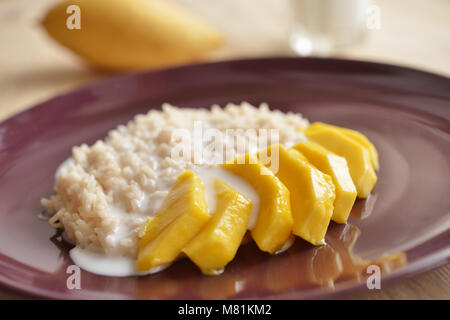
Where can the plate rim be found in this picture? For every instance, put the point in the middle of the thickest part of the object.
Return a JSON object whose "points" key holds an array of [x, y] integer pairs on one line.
{"points": [[132, 74], [432, 261]]}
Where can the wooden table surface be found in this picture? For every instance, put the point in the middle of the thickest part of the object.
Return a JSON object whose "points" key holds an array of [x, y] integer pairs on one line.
{"points": [[414, 33]]}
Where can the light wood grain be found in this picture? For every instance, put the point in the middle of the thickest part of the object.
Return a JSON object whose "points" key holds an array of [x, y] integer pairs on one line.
{"points": [[413, 33], [433, 285]]}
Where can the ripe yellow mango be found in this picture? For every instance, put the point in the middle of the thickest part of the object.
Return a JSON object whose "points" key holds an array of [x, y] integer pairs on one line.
{"points": [[183, 213], [188, 191], [357, 156], [274, 224], [356, 136], [217, 243], [312, 194], [132, 34], [362, 139], [336, 167]]}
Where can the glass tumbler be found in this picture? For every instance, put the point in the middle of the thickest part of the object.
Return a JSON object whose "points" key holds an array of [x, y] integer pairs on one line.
{"points": [[322, 26]]}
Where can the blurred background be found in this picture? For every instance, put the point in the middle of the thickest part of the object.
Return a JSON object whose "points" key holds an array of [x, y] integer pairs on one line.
{"points": [[35, 66], [415, 33]]}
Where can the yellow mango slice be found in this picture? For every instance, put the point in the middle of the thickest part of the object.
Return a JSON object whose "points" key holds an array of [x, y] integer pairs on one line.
{"points": [[356, 136], [312, 193], [217, 243], [131, 34], [357, 156], [274, 222], [183, 214], [336, 167], [187, 191]]}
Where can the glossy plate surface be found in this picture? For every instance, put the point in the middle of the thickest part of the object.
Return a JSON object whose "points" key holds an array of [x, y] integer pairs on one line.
{"points": [[404, 112]]}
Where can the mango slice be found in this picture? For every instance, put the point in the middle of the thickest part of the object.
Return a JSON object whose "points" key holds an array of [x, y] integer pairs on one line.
{"points": [[188, 191], [274, 223], [336, 167], [184, 212], [357, 156], [217, 243], [312, 193], [356, 136], [132, 34]]}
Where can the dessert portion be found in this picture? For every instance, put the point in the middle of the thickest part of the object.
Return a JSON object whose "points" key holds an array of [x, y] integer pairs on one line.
{"points": [[196, 183]]}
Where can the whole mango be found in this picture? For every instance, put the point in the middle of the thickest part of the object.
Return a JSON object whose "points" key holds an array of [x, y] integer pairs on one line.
{"points": [[131, 34]]}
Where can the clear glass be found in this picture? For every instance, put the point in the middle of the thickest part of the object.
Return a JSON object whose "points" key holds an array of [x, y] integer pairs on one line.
{"points": [[322, 26]]}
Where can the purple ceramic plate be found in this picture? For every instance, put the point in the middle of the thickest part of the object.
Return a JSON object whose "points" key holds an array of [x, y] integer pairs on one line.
{"points": [[404, 112]]}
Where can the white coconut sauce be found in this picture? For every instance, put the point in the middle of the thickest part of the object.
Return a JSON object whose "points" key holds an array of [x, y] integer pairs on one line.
{"points": [[109, 265]]}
